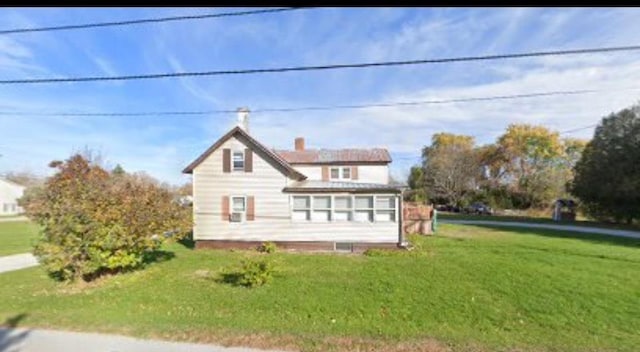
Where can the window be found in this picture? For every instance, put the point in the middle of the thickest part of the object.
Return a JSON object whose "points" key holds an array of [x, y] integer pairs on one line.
{"points": [[301, 208], [343, 207], [385, 208], [5, 207], [343, 246], [238, 209], [341, 173], [321, 208], [335, 173], [364, 209], [238, 161], [361, 208]]}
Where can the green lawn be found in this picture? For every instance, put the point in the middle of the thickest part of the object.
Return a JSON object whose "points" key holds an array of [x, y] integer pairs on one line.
{"points": [[588, 223], [17, 237], [466, 289]]}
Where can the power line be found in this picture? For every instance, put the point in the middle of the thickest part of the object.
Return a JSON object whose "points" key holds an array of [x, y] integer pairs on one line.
{"points": [[578, 129], [321, 67], [146, 20], [320, 108]]}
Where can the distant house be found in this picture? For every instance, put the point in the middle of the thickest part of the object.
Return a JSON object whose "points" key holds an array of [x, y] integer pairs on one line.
{"points": [[10, 192], [318, 199]]}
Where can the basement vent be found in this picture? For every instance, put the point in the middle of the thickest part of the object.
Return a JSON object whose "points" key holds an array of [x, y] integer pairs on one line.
{"points": [[344, 247]]}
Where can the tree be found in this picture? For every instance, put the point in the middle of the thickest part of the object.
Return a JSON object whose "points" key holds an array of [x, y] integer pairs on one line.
{"points": [[529, 158], [607, 176], [118, 171], [415, 181], [95, 223], [451, 167]]}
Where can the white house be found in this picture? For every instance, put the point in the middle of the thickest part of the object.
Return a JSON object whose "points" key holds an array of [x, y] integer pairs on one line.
{"points": [[245, 193], [9, 194]]}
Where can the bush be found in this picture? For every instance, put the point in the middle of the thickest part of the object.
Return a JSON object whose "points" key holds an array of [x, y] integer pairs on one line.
{"points": [[253, 273], [95, 223], [267, 247]]}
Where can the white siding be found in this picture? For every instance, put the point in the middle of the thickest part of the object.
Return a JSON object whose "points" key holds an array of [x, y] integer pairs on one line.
{"points": [[272, 207], [366, 173], [9, 194]]}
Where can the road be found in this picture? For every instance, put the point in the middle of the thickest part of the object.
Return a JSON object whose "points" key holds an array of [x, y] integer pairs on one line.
{"points": [[37, 340], [572, 228]]}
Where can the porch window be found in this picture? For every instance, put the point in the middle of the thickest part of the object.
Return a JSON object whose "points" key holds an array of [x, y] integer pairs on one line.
{"points": [[321, 208], [385, 208], [343, 208], [364, 209], [301, 208]]}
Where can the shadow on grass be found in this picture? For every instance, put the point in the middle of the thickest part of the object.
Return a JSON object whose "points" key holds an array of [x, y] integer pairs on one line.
{"points": [[10, 339], [187, 241], [148, 258], [157, 257], [567, 234], [230, 278]]}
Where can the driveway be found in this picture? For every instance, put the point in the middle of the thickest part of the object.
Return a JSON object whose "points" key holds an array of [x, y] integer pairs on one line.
{"points": [[17, 261], [36, 340], [583, 229]]}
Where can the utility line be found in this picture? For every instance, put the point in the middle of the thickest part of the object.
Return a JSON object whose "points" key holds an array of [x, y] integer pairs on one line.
{"points": [[322, 67], [146, 20], [319, 108]]}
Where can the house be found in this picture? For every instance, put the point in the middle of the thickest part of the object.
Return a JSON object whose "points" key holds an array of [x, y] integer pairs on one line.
{"points": [[245, 193], [10, 192]]}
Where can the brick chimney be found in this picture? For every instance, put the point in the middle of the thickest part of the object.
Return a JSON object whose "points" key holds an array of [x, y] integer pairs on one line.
{"points": [[243, 119], [299, 143]]}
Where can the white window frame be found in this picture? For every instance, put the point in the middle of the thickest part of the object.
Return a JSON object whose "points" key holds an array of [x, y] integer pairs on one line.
{"points": [[340, 172], [372, 209], [348, 210], [393, 210], [308, 209], [243, 212], [314, 209], [233, 163], [375, 218]]}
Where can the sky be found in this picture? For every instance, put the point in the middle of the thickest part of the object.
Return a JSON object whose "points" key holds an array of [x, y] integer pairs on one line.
{"points": [[163, 145]]}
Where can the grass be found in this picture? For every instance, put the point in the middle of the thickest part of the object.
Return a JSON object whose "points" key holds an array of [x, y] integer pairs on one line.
{"points": [[17, 237], [540, 220], [466, 289]]}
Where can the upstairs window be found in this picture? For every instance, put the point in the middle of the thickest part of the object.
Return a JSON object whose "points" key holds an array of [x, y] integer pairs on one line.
{"points": [[238, 161], [340, 173]]}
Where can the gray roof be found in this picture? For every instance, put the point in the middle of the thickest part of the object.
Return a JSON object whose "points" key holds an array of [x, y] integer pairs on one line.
{"points": [[329, 156], [354, 187]]}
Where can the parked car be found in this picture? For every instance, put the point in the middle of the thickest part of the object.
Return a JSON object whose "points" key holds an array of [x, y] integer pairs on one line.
{"points": [[478, 208]]}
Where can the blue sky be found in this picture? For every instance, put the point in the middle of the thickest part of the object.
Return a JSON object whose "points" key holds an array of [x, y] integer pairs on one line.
{"points": [[163, 145]]}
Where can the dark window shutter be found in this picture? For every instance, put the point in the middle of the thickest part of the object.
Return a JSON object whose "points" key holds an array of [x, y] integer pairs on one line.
{"points": [[225, 208], [251, 208], [226, 160], [325, 173], [248, 160], [354, 172]]}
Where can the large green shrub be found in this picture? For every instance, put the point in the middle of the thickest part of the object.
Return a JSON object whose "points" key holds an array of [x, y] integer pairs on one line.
{"points": [[94, 222]]}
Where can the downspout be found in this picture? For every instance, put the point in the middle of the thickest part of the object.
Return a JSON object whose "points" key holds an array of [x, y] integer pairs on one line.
{"points": [[401, 241]]}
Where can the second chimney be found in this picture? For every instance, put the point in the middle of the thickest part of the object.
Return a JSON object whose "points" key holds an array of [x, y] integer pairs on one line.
{"points": [[243, 118], [299, 143]]}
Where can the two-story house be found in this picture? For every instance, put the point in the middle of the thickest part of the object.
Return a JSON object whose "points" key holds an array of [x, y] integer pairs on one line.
{"points": [[245, 193]]}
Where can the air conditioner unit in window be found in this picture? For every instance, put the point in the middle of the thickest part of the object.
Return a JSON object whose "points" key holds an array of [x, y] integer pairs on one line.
{"points": [[236, 217]]}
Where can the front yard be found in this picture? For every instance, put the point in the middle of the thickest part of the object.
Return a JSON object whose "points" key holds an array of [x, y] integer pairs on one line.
{"points": [[17, 237], [466, 289]]}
